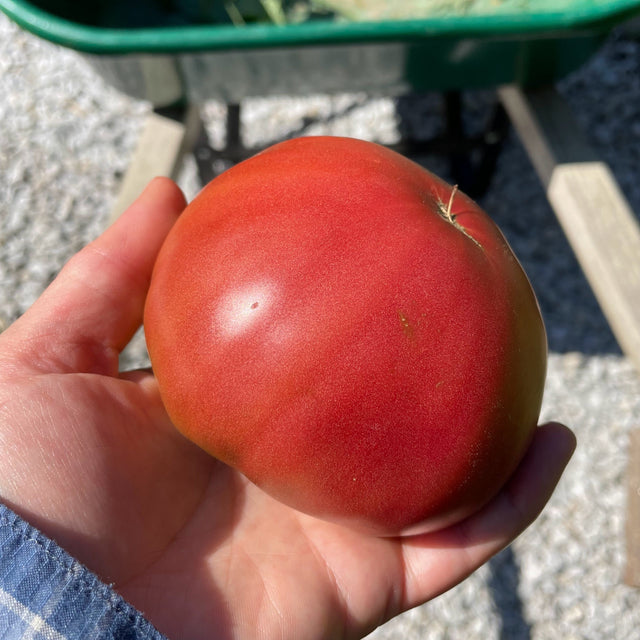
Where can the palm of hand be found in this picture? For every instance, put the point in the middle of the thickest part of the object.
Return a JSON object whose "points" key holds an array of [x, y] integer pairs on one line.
{"points": [[96, 464], [180, 535]]}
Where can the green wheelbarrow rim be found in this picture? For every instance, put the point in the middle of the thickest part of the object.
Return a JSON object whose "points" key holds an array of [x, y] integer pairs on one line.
{"points": [[597, 15]]}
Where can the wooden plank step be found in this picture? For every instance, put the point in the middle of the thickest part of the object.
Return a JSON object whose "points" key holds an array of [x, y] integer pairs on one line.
{"points": [[632, 571], [162, 143], [604, 234], [599, 224]]}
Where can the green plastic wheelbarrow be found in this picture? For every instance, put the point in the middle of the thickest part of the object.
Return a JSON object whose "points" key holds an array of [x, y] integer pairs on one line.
{"points": [[167, 51]]}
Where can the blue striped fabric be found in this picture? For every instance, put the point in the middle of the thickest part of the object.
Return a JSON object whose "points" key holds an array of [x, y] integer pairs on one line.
{"points": [[45, 594]]}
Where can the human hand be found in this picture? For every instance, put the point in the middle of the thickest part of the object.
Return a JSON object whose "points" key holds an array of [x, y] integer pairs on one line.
{"points": [[91, 458]]}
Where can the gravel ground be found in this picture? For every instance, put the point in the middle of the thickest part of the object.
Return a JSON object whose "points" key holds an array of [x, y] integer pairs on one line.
{"points": [[65, 141]]}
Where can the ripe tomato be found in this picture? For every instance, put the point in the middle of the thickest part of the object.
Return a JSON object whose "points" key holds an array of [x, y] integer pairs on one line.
{"points": [[349, 332]]}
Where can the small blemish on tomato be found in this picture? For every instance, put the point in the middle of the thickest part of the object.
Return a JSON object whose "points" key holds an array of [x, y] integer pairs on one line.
{"points": [[255, 305], [406, 325]]}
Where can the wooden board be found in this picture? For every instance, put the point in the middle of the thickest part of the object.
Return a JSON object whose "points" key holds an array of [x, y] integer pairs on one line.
{"points": [[632, 572], [604, 234], [594, 214], [163, 141]]}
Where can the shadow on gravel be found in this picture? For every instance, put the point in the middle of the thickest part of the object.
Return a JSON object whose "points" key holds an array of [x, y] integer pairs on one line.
{"points": [[503, 585]]}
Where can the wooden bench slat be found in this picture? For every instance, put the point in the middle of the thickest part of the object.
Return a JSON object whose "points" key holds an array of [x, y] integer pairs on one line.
{"points": [[592, 210]]}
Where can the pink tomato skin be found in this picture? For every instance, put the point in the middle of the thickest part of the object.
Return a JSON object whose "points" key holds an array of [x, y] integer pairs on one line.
{"points": [[322, 320]]}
